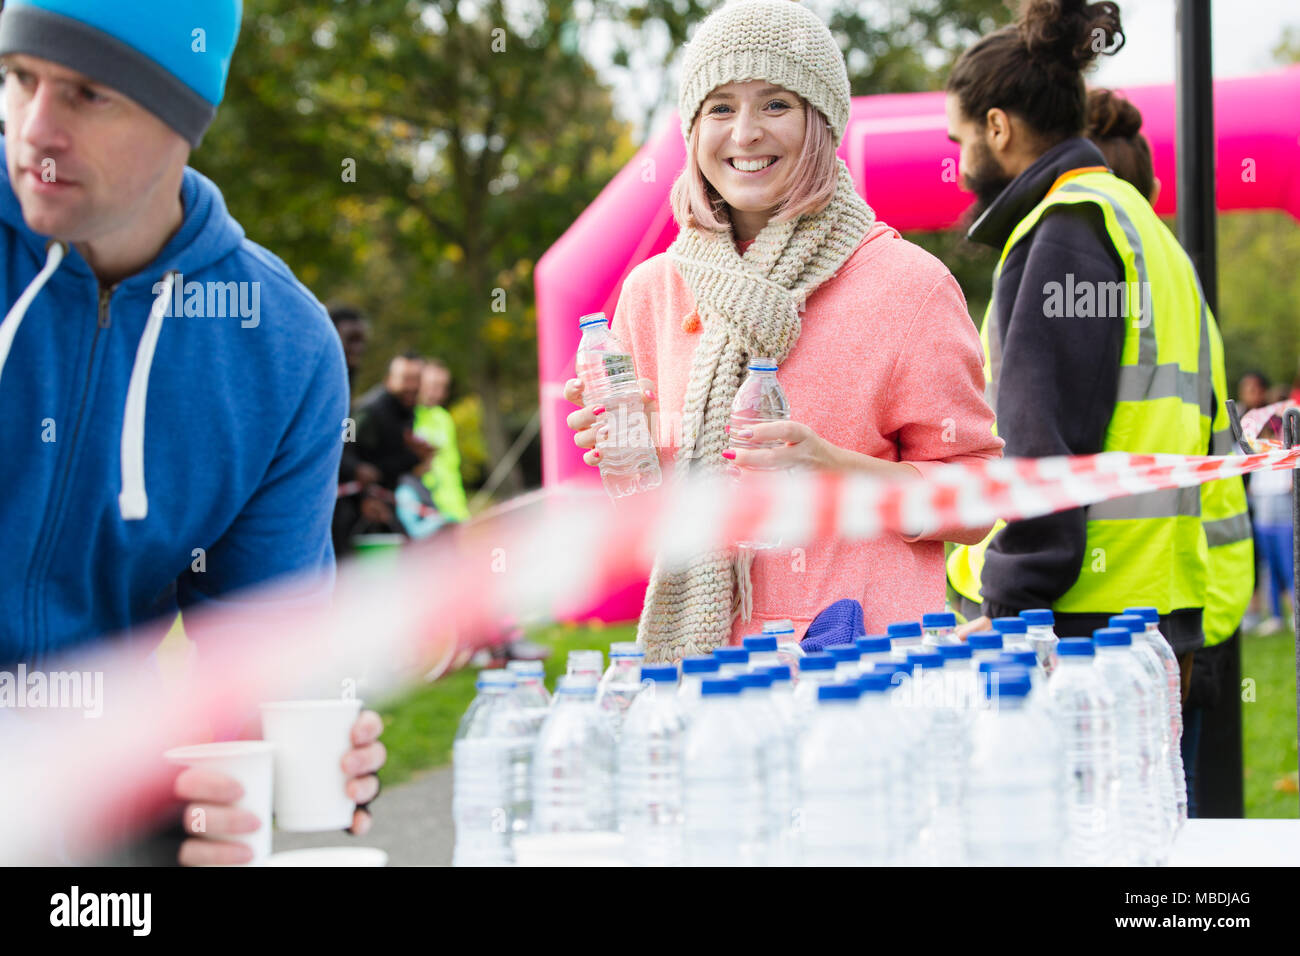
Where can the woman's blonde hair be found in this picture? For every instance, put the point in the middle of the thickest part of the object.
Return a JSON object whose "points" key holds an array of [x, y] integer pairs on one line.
{"points": [[697, 205]]}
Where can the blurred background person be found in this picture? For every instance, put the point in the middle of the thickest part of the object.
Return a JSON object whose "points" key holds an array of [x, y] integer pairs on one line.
{"points": [[434, 424], [385, 418], [1253, 391], [357, 478]]}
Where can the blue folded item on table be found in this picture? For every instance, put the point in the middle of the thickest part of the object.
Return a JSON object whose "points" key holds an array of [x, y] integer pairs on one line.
{"points": [[841, 623]]}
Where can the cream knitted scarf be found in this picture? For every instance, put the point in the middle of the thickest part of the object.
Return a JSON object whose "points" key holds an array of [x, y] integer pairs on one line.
{"points": [[749, 306]]}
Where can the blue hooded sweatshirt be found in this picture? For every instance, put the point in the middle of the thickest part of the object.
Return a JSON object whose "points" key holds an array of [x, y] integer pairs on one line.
{"points": [[165, 442]]}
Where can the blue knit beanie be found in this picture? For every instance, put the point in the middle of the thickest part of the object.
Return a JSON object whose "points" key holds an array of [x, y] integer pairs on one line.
{"points": [[170, 56]]}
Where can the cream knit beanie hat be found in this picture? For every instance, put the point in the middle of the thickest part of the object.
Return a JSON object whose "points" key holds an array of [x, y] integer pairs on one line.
{"points": [[780, 41]]}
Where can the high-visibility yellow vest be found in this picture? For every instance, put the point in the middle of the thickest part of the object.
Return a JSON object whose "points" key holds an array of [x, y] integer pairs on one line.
{"points": [[1231, 578], [1149, 549]]}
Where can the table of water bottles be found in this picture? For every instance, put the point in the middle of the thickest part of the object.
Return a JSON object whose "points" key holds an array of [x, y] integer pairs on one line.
{"points": [[909, 748]]}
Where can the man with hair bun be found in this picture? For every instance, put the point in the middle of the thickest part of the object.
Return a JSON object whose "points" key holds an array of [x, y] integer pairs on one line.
{"points": [[1115, 125], [1097, 336]]}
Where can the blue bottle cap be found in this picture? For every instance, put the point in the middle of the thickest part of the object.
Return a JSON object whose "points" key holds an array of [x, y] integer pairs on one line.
{"points": [[699, 665], [715, 686], [904, 629], [731, 655], [1010, 625], [940, 619], [1075, 647], [778, 672], [951, 652], [985, 640], [760, 642], [838, 692], [1133, 622], [664, 675], [754, 679], [873, 644], [890, 667], [925, 659], [845, 652], [1112, 637], [1011, 682], [1038, 617], [1148, 614], [1023, 658], [986, 667], [875, 682], [817, 661]]}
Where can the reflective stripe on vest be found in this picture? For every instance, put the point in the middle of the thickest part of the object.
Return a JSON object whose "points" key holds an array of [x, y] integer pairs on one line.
{"points": [[1147, 549], [1231, 577]]}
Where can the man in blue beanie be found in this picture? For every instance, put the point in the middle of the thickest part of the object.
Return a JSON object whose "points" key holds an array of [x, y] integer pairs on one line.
{"points": [[173, 398]]}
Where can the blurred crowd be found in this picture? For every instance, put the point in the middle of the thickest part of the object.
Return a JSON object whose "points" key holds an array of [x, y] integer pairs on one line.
{"points": [[400, 470], [1269, 495]]}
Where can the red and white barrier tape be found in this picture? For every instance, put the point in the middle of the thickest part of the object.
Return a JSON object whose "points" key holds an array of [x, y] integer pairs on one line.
{"points": [[77, 781]]}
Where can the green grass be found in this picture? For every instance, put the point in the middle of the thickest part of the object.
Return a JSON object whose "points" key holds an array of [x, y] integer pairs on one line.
{"points": [[419, 726], [1269, 725]]}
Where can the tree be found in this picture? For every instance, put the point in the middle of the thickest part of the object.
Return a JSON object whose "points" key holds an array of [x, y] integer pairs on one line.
{"points": [[418, 158]]}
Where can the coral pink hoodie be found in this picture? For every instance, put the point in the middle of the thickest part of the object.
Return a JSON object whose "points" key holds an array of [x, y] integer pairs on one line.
{"points": [[887, 364]]}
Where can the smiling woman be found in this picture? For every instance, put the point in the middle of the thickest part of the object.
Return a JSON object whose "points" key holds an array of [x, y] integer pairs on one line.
{"points": [[778, 256]]}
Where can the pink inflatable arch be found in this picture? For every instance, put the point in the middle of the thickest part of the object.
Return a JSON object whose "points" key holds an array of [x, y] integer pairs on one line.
{"points": [[897, 148]]}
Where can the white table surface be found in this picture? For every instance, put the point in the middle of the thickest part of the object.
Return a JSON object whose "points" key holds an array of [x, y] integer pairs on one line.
{"points": [[1199, 843], [1237, 843]]}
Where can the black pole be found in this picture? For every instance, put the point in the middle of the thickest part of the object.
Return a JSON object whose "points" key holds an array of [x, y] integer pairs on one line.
{"points": [[1291, 435], [1220, 779]]}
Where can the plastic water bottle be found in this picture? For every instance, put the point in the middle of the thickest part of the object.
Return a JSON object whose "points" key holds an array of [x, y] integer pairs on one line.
{"points": [[1162, 724], [1014, 800], [629, 461], [762, 651], [725, 823], [939, 629], [533, 699], [1085, 716], [872, 648], [573, 764], [490, 748], [530, 691], [783, 694], [984, 646], [586, 663], [1173, 675], [620, 683], [1041, 634], [914, 723], [1015, 633], [847, 661], [814, 670], [776, 761], [650, 772], [787, 648], [845, 812], [945, 747], [1142, 830], [732, 661], [904, 636], [759, 399], [695, 670]]}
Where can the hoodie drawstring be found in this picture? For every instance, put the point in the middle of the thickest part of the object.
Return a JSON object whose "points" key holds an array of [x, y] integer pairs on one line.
{"points": [[133, 501], [9, 328]]}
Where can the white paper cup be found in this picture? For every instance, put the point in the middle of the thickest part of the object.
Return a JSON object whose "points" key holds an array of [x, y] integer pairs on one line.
{"points": [[311, 738], [330, 856], [249, 762]]}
